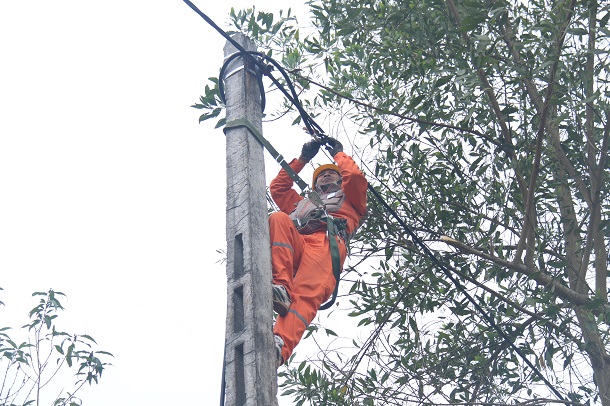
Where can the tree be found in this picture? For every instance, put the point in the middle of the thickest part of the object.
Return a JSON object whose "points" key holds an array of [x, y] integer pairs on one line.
{"points": [[34, 365], [484, 124]]}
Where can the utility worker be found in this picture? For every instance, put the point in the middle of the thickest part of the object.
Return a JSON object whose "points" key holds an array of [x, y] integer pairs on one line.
{"points": [[301, 259]]}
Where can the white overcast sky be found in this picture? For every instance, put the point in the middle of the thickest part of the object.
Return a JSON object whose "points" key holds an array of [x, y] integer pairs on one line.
{"points": [[110, 190]]}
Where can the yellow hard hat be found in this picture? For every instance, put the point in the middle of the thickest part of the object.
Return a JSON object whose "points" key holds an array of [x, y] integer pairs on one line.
{"points": [[321, 168]]}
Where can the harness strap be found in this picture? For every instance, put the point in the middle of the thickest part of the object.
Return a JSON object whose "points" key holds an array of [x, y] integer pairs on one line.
{"points": [[336, 260]]}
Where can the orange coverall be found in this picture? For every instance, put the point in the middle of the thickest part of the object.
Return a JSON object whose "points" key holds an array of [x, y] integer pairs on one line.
{"points": [[302, 262]]}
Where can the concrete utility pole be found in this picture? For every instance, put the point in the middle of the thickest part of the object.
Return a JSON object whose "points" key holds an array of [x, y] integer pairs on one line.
{"points": [[250, 371]]}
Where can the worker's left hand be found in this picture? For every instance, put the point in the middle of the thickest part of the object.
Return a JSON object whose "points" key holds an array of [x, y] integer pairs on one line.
{"points": [[333, 146], [309, 150]]}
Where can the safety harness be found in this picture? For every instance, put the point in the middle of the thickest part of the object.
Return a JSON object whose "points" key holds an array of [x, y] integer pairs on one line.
{"points": [[309, 217], [315, 219]]}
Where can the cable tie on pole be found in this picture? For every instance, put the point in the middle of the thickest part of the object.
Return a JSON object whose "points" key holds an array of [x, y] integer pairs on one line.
{"points": [[233, 72], [233, 55]]}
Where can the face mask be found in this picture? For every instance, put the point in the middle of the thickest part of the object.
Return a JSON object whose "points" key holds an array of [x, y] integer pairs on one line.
{"points": [[330, 187]]}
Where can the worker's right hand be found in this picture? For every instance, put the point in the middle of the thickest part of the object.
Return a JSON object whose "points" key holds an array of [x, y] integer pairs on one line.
{"points": [[333, 146], [309, 150]]}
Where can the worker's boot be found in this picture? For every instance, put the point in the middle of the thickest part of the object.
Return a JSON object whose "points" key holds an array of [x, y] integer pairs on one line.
{"points": [[281, 300], [279, 343]]}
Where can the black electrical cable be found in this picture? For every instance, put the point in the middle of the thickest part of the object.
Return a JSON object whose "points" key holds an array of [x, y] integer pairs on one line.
{"points": [[310, 123], [307, 120], [317, 130]]}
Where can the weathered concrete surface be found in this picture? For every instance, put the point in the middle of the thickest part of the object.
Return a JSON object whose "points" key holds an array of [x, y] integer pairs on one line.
{"points": [[250, 372]]}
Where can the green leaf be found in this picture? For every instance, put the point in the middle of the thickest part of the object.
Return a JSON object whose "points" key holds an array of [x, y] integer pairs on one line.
{"points": [[69, 355], [330, 332], [472, 21], [88, 337], [413, 324], [389, 251]]}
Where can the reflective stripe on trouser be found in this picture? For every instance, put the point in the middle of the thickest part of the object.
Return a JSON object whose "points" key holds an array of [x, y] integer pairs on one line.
{"points": [[302, 263]]}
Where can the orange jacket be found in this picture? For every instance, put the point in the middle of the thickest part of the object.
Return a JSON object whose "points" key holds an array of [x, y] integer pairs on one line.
{"points": [[354, 186]]}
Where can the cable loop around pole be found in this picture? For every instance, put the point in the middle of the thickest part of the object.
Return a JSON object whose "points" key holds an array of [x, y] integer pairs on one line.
{"points": [[258, 72]]}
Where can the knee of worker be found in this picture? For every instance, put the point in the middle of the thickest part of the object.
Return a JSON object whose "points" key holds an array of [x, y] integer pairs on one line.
{"points": [[310, 291], [279, 219]]}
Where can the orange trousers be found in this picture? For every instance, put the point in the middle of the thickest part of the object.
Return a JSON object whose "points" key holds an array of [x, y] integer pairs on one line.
{"points": [[301, 263]]}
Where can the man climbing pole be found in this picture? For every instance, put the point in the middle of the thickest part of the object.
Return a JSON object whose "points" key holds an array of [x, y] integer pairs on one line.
{"points": [[308, 239]]}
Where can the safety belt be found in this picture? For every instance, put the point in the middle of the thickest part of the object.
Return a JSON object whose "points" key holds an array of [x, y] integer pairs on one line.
{"points": [[312, 195]]}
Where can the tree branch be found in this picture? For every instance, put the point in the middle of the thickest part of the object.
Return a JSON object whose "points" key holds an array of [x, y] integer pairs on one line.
{"points": [[595, 234], [527, 238], [517, 306], [541, 278], [489, 91], [571, 230], [508, 36], [401, 116]]}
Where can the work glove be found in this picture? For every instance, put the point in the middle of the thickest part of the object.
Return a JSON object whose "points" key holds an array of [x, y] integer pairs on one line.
{"points": [[309, 150], [333, 146]]}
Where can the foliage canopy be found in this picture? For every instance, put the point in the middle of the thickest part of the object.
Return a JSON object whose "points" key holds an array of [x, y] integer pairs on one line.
{"points": [[485, 124]]}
